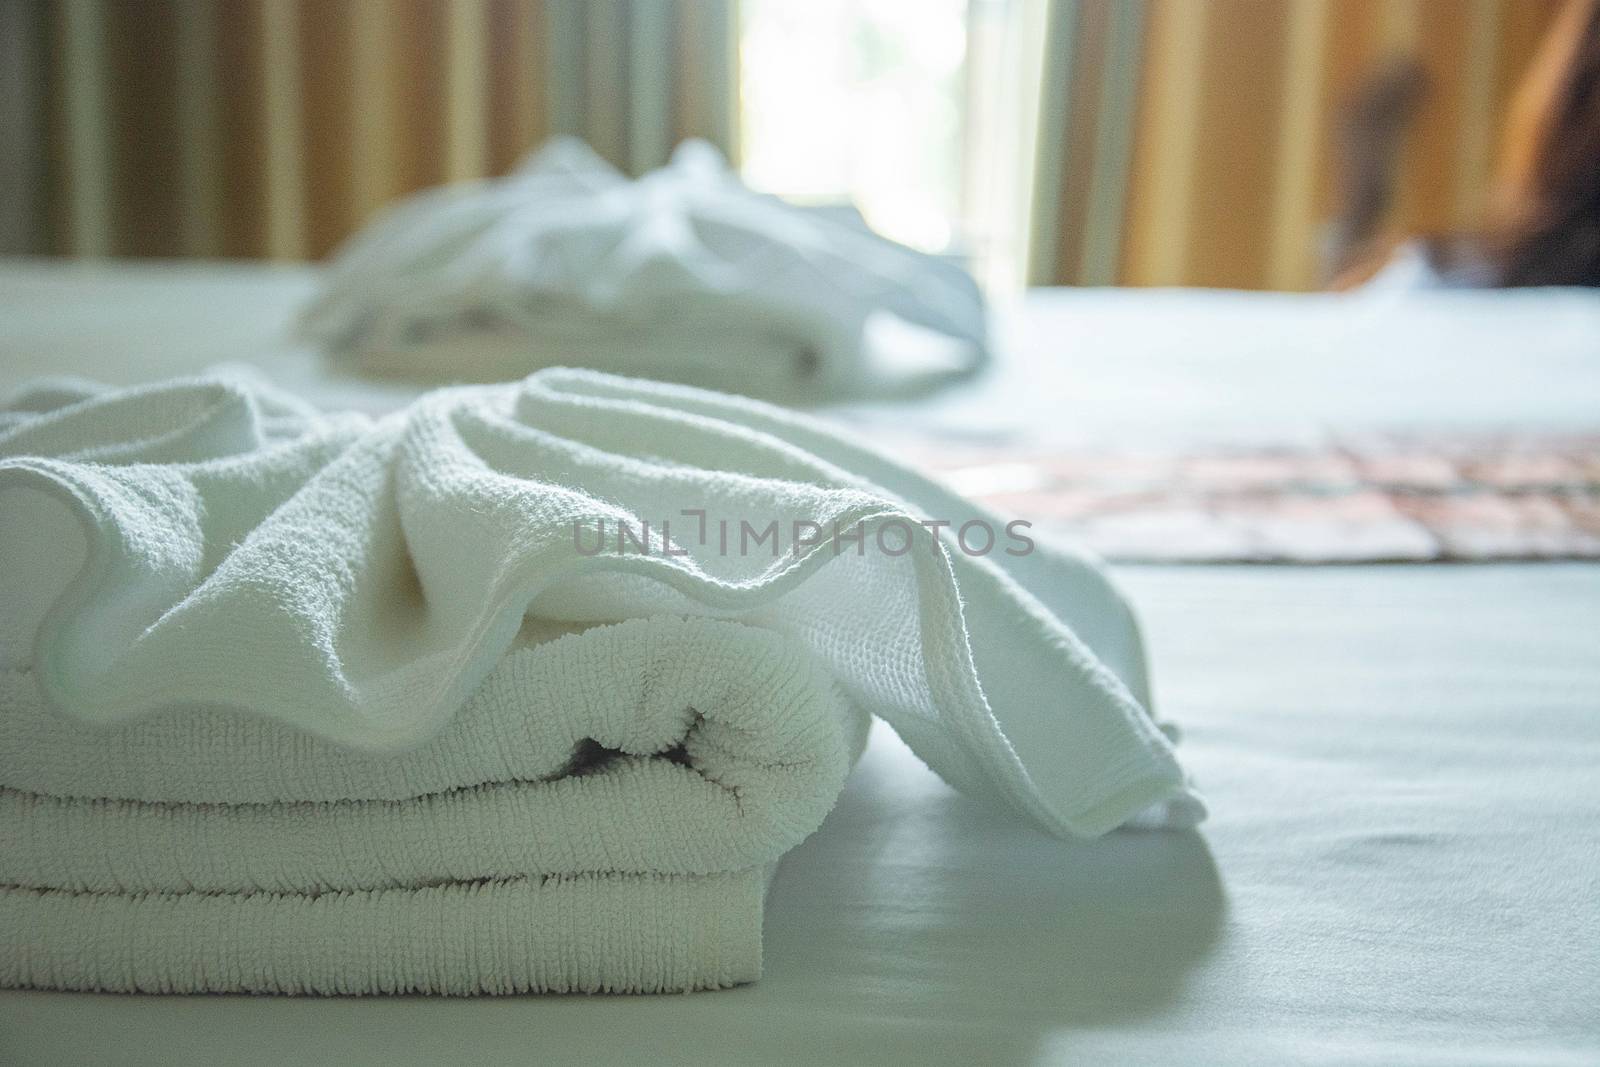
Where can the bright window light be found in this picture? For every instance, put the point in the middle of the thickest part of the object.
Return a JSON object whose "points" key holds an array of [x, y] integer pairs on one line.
{"points": [[912, 111]]}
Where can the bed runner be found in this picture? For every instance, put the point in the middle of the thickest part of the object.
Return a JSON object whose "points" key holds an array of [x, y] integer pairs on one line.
{"points": [[1358, 498]]}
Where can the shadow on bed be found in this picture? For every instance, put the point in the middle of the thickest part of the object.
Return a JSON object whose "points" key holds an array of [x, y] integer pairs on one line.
{"points": [[918, 909]]}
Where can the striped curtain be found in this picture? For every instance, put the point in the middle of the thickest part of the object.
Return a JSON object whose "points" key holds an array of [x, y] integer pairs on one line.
{"points": [[1189, 142], [274, 128], [1181, 142]]}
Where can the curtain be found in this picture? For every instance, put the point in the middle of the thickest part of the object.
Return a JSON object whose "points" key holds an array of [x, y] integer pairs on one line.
{"points": [[634, 77], [274, 128], [1180, 142], [1089, 95], [1192, 142]]}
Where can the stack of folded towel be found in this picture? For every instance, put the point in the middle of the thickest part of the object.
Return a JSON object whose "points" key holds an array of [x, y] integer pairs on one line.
{"points": [[310, 703], [683, 275]]}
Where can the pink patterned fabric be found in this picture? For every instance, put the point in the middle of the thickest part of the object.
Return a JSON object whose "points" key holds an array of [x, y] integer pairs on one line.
{"points": [[1411, 497]]}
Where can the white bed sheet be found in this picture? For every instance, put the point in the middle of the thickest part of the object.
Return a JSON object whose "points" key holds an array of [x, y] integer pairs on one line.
{"points": [[1070, 364], [1403, 864], [1098, 363]]}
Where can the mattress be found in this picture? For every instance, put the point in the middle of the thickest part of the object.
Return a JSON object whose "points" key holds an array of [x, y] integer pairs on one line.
{"points": [[1403, 762]]}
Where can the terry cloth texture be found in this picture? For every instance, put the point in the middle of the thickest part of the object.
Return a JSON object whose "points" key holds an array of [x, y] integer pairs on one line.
{"points": [[684, 275], [296, 702]]}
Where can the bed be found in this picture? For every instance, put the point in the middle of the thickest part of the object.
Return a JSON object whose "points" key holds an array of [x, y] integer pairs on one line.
{"points": [[1403, 761]]}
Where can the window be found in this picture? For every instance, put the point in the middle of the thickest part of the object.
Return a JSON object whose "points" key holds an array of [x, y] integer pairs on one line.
{"points": [[921, 114]]}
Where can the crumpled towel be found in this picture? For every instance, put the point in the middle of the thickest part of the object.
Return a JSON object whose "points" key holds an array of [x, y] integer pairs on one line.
{"points": [[298, 702], [684, 275]]}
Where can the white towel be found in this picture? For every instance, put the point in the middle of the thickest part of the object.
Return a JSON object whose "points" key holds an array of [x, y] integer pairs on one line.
{"points": [[684, 275], [313, 703]]}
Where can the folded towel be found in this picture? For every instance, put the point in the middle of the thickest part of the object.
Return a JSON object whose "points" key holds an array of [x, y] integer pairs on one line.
{"points": [[495, 694], [684, 275]]}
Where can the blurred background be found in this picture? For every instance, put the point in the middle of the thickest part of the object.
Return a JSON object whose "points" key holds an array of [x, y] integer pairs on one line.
{"points": [[1052, 142]]}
